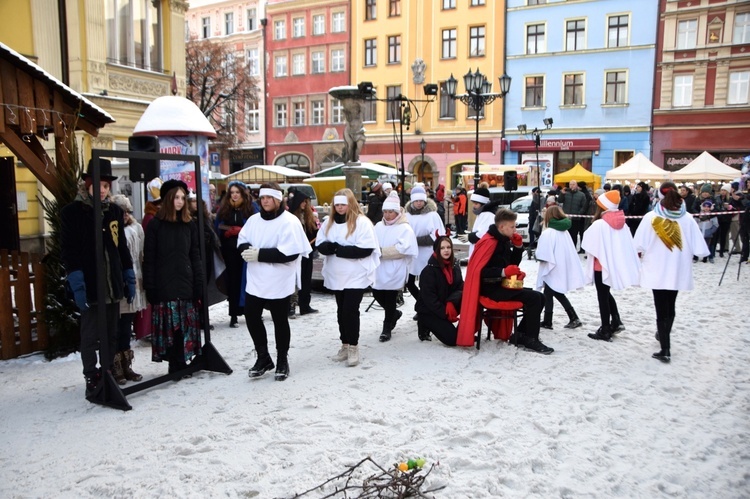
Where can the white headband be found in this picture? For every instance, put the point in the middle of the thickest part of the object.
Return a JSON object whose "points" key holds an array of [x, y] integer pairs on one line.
{"points": [[479, 198], [340, 200], [270, 192]]}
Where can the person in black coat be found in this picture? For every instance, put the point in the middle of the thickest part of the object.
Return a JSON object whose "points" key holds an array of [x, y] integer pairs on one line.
{"points": [[639, 205], [300, 207], [440, 298], [375, 203], [534, 208], [78, 256], [686, 193], [173, 279]]}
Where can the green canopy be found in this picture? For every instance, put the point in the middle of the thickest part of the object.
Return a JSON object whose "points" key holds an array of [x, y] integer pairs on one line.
{"points": [[372, 171]]}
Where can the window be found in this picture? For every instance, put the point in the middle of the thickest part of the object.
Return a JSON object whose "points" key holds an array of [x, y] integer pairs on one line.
{"points": [[371, 52], [299, 114], [449, 44], [318, 112], [293, 160], [279, 32], [134, 33], [682, 94], [741, 28], [338, 22], [394, 49], [281, 69], [617, 34], [227, 116], [449, 4], [534, 91], [471, 113], [281, 115], [476, 41], [337, 112], [575, 35], [337, 60], [537, 2], [298, 64], [535, 43], [738, 87], [615, 89], [687, 34], [477, 2], [447, 104], [252, 19], [573, 89], [319, 24], [205, 27], [298, 27], [371, 10], [228, 23], [394, 106], [394, 8], [318, 63], [253, 117], [253, 62], [370, 111]]}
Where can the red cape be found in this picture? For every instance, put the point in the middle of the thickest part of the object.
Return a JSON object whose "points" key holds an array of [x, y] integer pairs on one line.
{"points": [[470, 321]]}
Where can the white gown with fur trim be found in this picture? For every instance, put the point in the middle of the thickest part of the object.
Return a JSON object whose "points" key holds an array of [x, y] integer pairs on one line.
{"points": [[393, 274], [426, 223], [559, 264], [614, 249], [349, 273]]}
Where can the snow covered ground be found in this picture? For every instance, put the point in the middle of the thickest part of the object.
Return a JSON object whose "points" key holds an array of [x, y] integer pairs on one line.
{"points": [[591, 420]]}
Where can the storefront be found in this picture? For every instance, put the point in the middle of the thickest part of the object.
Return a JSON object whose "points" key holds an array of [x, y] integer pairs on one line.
{"points": [[239, 159], [554, 155], [675, 160]]}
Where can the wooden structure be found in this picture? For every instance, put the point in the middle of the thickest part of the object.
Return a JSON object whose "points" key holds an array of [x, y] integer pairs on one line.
{"points": [[35, 104], [22, 326]]}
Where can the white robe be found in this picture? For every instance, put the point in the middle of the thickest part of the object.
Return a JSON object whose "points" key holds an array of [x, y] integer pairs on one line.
{"points": [[285, 233], [393, 274], [423, 225], [615, 251], [349, 273], [481, 226], [664, 269], [559, 265]]}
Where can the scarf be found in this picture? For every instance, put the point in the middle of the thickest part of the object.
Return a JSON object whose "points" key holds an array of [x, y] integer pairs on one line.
{"points": [[666, 226], [236, 204], [446, 267], [562, 224]]}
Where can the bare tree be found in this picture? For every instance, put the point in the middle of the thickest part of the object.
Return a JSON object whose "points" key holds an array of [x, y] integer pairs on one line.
{"points": [[220, 85]]}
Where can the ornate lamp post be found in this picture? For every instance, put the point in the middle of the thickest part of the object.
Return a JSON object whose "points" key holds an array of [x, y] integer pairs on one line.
{"points": [[478, 94], [536, 134], [422, 148]]}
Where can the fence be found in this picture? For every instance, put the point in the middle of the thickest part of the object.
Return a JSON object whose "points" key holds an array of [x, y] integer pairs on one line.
{"points": [[22, 290]]}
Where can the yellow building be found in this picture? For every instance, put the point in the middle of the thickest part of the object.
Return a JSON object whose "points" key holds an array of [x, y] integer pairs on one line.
{"points": [[400, 44], [119, 54]]}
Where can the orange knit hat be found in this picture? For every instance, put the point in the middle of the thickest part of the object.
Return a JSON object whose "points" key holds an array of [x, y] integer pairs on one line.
{"points": [[609, 201]]}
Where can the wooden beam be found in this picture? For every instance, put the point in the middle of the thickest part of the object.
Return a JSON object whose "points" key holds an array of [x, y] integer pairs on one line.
{"points": [[41, 97], [2, 111], [10, 91], [26, 101], [33, 155]]}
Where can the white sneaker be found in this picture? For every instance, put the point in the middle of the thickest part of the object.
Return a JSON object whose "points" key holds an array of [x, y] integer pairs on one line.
{"points": [[342, 355], [353, 358]]}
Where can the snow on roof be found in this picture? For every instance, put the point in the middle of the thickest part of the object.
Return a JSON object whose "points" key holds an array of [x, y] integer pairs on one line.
{"points": [[173, 115], [279, 170], [62, 86]]}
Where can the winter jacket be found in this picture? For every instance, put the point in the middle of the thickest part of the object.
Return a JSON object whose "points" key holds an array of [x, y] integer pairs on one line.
{"points": [[689, 201], [375, 207], [478, 232], [719, 205], [641, 204], [172, 267], [459, 204], [505, 254], [78, 246], [574, 203], [435, 292]]}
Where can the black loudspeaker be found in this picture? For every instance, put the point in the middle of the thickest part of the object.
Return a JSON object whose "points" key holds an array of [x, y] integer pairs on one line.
{"points": [[143, 170], [510, 180]]}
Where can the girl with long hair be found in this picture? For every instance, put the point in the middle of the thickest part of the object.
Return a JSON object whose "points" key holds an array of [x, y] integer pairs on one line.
{"points": [[424, 220], [440, 297], [667, 240], [173, 278], [235, 209], [300, 207], [351, 255], [559, 266]]}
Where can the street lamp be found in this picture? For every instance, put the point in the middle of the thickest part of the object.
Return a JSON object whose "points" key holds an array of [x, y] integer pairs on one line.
{"points": [[536, 134], [478, 94], [422, 148]]}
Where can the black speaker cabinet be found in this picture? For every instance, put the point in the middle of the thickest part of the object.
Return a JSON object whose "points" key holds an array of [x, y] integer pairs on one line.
{"points": [[143, 170], [510, 180]]}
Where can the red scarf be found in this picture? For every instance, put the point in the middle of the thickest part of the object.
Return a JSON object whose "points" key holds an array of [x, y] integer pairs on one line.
{"points": [[447, 268], [470, 320]]}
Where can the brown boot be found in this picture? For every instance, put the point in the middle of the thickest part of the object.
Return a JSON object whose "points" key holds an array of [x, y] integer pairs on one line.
{"points": [[127, 366], [117, 369]]}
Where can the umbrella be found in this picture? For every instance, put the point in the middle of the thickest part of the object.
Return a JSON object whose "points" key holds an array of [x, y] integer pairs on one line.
{"points": [[706, 167], [637, 168]]}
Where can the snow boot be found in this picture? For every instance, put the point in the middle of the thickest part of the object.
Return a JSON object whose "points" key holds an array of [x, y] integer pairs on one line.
{"points": [[282, 368], [423, 333], [342, 354], [261, 367], [353, 357], [616, 325], [573, 318], [398, 315], [117, 372], [663, 327], [534, 345], [233, 321], [127, 366], [92, 381], [547, 321], [604, 333], [386, 334]]}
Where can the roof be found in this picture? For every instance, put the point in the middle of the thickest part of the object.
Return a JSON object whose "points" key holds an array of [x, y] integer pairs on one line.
{"points": [[370, 169], [274, 170], [173, 115]]}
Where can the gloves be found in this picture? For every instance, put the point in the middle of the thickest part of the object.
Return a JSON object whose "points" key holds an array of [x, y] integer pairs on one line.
{"points": [[512, 270], [128, 277], [450, 312], [464, 238], [389, 253], [516, 240], [78, 287], [250, 254], [232, 231], [327, 248]]}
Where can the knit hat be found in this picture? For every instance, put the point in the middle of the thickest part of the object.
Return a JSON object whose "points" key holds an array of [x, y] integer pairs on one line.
{"points": [[392, 202], [387, 186], [170, 185], [481, 195], [707, 203], [599, 192], [609, 201], [376, 187], [192, 195], [706, 187], [418, 194], [726, 187], [154, 189], [295, 198]]}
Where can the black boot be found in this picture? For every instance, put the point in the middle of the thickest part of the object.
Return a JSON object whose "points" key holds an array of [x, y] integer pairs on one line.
{"points": [[282, 368], [616, 325], [547, 321], [262, 366], [604, 333], [423, 333], [92, 381], [386, 334], [664, 329], [233, 321], [396, 318], [573, 318]]}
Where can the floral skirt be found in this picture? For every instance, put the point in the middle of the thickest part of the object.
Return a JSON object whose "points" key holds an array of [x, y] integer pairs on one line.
{"points": [[178, 317]]}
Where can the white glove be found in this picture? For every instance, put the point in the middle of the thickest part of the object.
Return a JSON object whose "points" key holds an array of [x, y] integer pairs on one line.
{"points": [[250, 254], [464, 238], [389, 253]]}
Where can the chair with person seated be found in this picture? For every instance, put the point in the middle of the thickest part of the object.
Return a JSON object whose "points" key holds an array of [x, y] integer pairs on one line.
{"points": [[506, 313]]}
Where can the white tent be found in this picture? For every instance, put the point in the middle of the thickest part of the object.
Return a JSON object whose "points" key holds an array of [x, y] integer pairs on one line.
{"points": [[637, 168], [706, 167]]}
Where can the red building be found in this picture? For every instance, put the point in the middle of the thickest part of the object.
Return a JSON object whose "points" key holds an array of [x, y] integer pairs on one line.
{"points": [[702, 82], [307, 53]]}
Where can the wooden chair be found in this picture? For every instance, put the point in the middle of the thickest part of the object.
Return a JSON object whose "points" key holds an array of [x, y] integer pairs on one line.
{"points": [[506, 312]]}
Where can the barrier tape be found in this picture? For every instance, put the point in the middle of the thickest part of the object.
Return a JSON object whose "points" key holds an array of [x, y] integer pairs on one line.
{"points": [[711, 213]]}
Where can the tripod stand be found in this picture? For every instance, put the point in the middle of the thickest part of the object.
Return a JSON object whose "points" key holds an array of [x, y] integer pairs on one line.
{"points": [[729, 257]]}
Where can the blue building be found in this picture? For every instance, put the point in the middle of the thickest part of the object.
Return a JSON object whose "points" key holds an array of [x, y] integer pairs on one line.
{"points": [[588, 65]]}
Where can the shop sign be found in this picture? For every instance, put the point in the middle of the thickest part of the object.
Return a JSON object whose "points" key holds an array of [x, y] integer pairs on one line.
{"points": [[550, 145]]}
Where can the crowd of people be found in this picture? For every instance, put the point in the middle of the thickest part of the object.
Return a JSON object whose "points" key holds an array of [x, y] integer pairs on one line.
{"points": [[260, 247]]}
